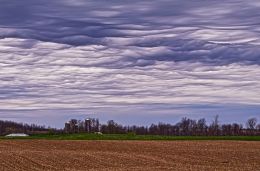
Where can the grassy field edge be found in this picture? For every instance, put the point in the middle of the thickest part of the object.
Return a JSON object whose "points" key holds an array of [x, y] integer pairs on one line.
{"points": [[84, 136]]}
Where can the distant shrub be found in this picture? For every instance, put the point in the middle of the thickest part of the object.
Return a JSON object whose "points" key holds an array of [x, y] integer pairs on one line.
{"points": [[131, 133], [51, 131]]}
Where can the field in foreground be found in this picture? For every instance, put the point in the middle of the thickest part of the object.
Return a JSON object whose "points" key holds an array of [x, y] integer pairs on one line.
{"points": [[129, 155]]}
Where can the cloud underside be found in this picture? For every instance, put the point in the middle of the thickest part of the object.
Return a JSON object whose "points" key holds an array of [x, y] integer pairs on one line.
{"points": [[74, 54]]}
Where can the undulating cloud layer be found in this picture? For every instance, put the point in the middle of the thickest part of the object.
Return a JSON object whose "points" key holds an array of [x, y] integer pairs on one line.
{"points": [[106, 55]]}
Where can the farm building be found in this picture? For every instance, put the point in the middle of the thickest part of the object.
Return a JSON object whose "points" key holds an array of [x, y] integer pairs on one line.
{"points": [[17, 135]]}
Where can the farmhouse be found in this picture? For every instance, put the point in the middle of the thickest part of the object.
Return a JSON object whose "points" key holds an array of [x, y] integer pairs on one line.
{"points": [[17, 135]]}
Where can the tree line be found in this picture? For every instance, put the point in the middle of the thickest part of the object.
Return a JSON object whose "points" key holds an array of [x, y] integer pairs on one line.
{"points": [[185, 127], [8, 127]]}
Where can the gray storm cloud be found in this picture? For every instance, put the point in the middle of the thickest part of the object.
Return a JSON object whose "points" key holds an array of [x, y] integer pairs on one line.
{"points": [[77, 54]]}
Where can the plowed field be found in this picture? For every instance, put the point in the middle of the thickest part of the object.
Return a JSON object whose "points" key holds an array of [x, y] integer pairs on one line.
{"points": [[129, 155]]}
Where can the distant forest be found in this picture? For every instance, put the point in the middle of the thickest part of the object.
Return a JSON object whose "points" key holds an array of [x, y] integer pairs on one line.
{"points": [[7, 127], [185, 127]]}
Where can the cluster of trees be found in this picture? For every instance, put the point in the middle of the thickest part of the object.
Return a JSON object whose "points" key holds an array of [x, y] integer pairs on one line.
{"points": [[185, 127], [76, 126], [7, 127]]}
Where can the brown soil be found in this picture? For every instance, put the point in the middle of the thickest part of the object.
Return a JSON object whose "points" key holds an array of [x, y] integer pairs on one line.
{"points": [[129, 155]]}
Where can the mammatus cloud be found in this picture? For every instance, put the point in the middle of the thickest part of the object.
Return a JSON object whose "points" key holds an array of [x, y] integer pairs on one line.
{"points": [[78, 54]]}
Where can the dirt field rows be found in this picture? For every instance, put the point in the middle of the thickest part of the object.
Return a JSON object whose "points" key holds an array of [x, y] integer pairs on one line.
{"points": [[129, 155]]}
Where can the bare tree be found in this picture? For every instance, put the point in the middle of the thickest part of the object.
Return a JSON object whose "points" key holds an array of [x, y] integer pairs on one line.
{"points": [[202, 126], [251, 125], [258, 127], [214, 127]]}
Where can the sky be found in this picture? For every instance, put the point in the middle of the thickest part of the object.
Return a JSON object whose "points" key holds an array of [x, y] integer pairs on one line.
{"points": [[137, 62]]}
